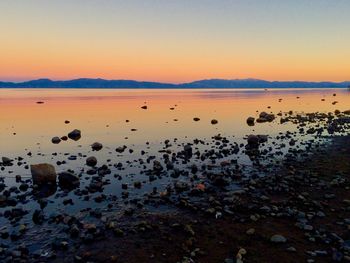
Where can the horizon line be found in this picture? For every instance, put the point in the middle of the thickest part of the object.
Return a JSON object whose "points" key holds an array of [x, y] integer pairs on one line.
{"points": [[172, 83]]}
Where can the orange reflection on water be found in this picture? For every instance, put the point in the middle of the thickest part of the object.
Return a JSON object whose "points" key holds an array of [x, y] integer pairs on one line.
{"points": [[101, 114]]}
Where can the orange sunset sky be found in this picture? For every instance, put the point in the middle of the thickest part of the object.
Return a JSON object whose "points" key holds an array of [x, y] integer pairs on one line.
{"points": [[175, 41]]}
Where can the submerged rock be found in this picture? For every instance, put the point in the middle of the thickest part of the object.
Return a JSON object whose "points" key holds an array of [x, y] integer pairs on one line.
{"points": [[43, 173]]}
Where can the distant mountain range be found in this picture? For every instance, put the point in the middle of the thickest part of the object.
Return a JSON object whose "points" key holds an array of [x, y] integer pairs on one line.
{"points": [[208, 83]]}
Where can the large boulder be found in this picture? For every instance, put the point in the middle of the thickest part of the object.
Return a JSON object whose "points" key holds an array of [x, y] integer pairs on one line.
{"points": [[43, 173]]}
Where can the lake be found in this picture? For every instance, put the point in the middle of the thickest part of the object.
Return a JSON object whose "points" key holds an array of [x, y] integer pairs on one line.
{"points": [[115, 118]]}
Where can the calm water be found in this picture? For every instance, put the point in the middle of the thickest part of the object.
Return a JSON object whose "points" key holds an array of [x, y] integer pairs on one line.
{"points": [[101, 115]]}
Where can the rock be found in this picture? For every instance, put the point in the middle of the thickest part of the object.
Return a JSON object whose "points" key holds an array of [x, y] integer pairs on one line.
{"points": [[291, 249], [188, 151], [3, 200], [250, 231], [265, 117], [213, 121], [239, 257], [43, 173], [137, 184], [181, 186], [74, 135], [278, 239], [68, 180], [196, 119], [96, 146], [55, 140], [120, 149], [262, 138], [91, 161], [74, 231], [253, 140], [38, 217], [144, 107], [23, 187], [157, 166], [250, 121], [6, 161]]}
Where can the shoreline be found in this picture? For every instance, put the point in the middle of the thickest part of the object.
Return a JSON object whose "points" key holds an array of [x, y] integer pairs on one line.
{"points": [[259, 213]]}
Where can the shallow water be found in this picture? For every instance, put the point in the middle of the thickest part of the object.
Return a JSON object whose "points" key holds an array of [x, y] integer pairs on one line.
{"points": [[101, 115]]}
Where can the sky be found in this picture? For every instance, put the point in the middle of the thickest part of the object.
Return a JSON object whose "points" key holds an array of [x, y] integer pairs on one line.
{"points": [[175, 40]]}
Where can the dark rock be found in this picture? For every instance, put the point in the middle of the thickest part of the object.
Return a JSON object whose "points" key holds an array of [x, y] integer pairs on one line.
{"points": [[91, 161], [120, 149], [38, 217], [7, 161], [265, 117], [157, 167], [43, 173], [96, 146], [74, 135], [55, 140], [68, 180], [250, 121]]}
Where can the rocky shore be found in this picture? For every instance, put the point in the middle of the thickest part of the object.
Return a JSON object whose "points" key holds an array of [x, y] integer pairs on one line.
{"points": [[292, 204], [300, 213]]}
